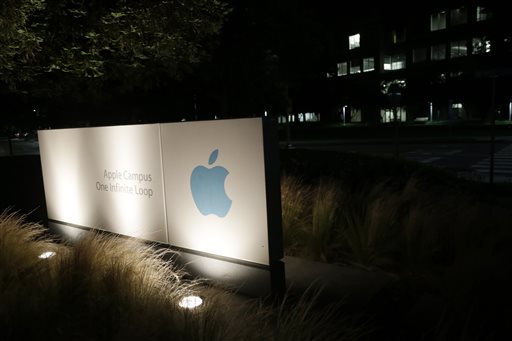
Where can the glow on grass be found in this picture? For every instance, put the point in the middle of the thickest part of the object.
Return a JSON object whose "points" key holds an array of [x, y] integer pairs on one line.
{"points": [[190, 302], [47, 254]]}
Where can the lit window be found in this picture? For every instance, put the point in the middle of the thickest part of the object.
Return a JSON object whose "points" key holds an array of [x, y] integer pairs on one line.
{"points": [[312, 117], [368, 64], [308, 117], [438, 21], [387, 63], [354, 41], [355, 66], [342, 69], [458, 16], [419, 54], [458, 111], [438, 52], [482, 13], [384, 85], [394, 62], [481, 45], [458, 49], [356, 115], [388, 115]]}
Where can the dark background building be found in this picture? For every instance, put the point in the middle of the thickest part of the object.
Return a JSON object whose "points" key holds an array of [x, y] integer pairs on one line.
{"points": [[322, 60], [448, 61]]}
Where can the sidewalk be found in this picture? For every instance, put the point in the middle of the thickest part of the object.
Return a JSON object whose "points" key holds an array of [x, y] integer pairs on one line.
{"points": [[402, 140], [351, 287]]}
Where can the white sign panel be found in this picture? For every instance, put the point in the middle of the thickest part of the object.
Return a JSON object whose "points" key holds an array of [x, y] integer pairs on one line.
{"points": [[215, 187], [108, 178], [200, 186]]}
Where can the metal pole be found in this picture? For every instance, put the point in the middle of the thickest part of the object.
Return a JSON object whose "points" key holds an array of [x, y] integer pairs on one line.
{"points": [[288, 143], [9, 139], [493, 133], [10, 146], [395, 114]]}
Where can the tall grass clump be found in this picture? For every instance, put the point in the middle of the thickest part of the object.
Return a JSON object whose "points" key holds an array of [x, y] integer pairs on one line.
{"points": [[339, 226], [309, 217], [101, 288], [106, 287], [23, 274], [368, 230], [299, 317], [302, 320], [295, 210], [446, 242], [118, 281], [412, 225], [320, 233], [21, 243]]}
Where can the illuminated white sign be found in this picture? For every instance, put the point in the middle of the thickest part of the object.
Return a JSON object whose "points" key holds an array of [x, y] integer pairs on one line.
{"points": [[199, 186], [215, 187], [108, 178]]}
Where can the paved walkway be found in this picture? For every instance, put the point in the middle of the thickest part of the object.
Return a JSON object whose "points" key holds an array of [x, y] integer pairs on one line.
{"points": [[349, 286]]}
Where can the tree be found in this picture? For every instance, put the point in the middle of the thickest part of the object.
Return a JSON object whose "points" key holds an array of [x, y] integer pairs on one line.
{"points": [[131, 42], [20, 40]]}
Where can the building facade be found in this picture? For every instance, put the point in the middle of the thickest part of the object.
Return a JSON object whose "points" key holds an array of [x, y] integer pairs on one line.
{"points": [[445, 61]]}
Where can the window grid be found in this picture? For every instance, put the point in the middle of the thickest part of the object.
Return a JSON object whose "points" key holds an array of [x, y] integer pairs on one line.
{"points": [[438, 21], [482, 13], [438, 52], [458, 49], [355, 66], [481, 45], [342, 69], [368, 64], [354, 41], [394, 62]]}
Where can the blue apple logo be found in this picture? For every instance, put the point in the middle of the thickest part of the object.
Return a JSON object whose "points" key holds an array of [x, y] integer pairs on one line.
{"points": [[207, 186]]}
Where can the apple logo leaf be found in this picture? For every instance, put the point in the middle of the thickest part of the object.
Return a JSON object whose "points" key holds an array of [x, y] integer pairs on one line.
{"points": [[213, 156]]}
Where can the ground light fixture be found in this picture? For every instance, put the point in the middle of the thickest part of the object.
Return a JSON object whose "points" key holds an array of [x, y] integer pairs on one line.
{"points": [[190, 302], [47, 254]]}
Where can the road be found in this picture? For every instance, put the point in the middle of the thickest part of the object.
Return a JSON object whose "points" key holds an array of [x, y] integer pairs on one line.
{"points": [[470, 159], [20, 146]]}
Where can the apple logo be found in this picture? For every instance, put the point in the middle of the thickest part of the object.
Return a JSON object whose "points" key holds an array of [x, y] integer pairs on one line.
{"points": [[207, 186]]}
